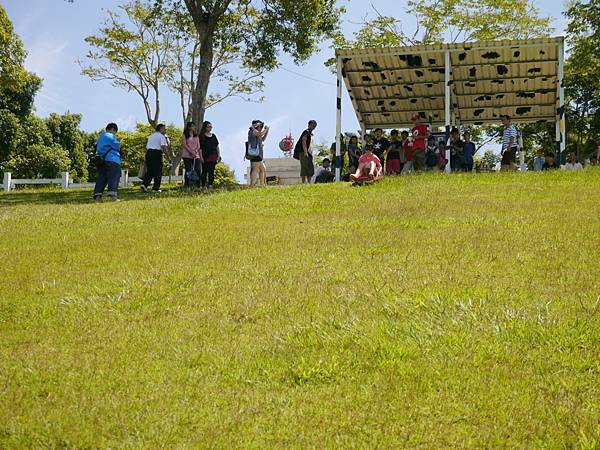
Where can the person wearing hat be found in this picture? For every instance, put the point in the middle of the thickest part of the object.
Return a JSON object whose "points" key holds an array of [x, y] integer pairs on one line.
{"points": [[257, 134]]}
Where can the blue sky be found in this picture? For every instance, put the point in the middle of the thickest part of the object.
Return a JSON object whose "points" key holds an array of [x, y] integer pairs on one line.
{"points": [[53, 32]]}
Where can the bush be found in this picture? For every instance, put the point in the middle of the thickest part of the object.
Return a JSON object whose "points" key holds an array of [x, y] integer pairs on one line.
{"points": [[39, 161], [224, 176]]}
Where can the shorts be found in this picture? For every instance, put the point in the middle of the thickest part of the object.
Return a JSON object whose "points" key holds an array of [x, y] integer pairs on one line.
{"points": [[307, 168], [509, 157], [393, 166]]}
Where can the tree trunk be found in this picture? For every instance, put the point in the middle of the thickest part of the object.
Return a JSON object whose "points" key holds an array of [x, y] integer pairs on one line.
{"points": [[203, 79]]}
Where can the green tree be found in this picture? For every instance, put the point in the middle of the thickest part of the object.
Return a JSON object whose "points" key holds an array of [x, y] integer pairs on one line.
{"points": [[65, 132], [39, 161], [258, 29], [441, 21], [582, 76], [17, 86]]}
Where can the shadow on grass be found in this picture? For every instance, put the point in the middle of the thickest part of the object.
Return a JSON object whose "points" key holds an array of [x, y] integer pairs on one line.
{"points": [[49, 196]]}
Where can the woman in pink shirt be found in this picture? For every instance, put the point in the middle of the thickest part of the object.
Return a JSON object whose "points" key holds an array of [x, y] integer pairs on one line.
{"points": [[369, 165], [192, 157]]}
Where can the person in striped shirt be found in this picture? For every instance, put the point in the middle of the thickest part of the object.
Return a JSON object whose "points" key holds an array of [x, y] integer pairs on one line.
{"points": [[509, 144]]}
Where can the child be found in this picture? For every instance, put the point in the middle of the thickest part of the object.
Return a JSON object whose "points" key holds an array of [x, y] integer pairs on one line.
{"points": [[393, 165], [538, 161], [369, 165], [431, 154]]}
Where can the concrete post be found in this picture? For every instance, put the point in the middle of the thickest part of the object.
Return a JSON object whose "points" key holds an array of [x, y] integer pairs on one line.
{"points": [[65, 180], [7, 181]]}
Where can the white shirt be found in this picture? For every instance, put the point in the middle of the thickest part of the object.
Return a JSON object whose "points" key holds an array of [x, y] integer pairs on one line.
{"points": [[157, 141], [571, 166], [318, 171]]}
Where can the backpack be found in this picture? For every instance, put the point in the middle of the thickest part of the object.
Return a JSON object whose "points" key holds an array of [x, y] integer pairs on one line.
{"points": [[298, 148]]}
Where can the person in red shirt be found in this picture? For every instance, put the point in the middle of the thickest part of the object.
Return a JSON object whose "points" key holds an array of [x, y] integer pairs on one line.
{"points": [[420, 133], [369, 165], [408, 145]]}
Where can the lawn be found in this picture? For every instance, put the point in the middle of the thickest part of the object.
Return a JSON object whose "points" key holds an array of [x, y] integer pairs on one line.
{"points": [[424, 311]]}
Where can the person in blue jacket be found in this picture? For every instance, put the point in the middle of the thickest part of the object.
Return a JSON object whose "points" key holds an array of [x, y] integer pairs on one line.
{"points": [[108, 173]]}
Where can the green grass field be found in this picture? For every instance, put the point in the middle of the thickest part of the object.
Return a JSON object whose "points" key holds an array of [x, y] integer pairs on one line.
{"points": [[426, 311]]}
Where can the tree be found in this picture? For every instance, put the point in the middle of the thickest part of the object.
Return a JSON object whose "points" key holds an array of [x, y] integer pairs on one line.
{"points": [[39, 160], [260, 31], [135, 58], [65, 132], [441, 21], [582, 76], [17, 86]]}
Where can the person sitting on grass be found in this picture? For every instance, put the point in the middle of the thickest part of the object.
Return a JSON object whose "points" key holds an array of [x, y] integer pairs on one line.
{"points": [[369, 165], [550, 163], [323, 173], [457, 157], [573, 164], [538, 161], [432, 155]]}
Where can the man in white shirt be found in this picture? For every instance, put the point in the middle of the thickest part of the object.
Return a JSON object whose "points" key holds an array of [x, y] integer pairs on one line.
{"points": [[155, 148], [509, 144]]}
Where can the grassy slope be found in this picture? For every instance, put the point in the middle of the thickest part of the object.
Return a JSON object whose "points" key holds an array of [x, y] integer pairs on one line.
{"points": [[448, 311]]}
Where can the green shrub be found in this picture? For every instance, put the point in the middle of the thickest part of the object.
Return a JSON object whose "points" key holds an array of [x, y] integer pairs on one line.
{"points": [[39, 161]]}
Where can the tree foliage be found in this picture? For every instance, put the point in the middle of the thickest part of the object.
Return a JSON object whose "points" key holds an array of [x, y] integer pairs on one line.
{"points": [[17, 86], [582, 76], [440, 21], [258, 30]]}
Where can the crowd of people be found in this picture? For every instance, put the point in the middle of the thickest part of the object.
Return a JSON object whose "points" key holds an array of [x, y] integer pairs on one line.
{"points": [[405, 152], [199, 150]]}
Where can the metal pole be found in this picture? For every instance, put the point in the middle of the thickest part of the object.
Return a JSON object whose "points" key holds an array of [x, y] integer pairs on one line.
{"points": [[447, 106], [561, 128], [338, 122]]}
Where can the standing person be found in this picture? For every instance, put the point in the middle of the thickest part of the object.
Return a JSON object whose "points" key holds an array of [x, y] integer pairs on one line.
{"points": [[380, 145], [155, 148], [509, 144], [255, 152], [538, 161], [303, 152], [420, 133], [190, 152], [108, 148], [408, 146], [211, 155], [353, 153], [469, 151], [393, 166]]}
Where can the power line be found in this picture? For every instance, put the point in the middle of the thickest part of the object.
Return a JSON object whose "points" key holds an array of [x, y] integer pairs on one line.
{"points": [[309, 78]]}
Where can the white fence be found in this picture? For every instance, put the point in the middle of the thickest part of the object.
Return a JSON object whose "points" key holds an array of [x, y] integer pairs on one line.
{"points": [[66, 182]]}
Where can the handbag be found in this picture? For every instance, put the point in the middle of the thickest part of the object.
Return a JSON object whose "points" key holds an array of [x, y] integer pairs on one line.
{"points": [[192, 175], [254, 152]]}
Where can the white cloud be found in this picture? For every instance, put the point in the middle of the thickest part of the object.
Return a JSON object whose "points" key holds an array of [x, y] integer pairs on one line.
{"points": [[45, 56], [127, 122]]}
